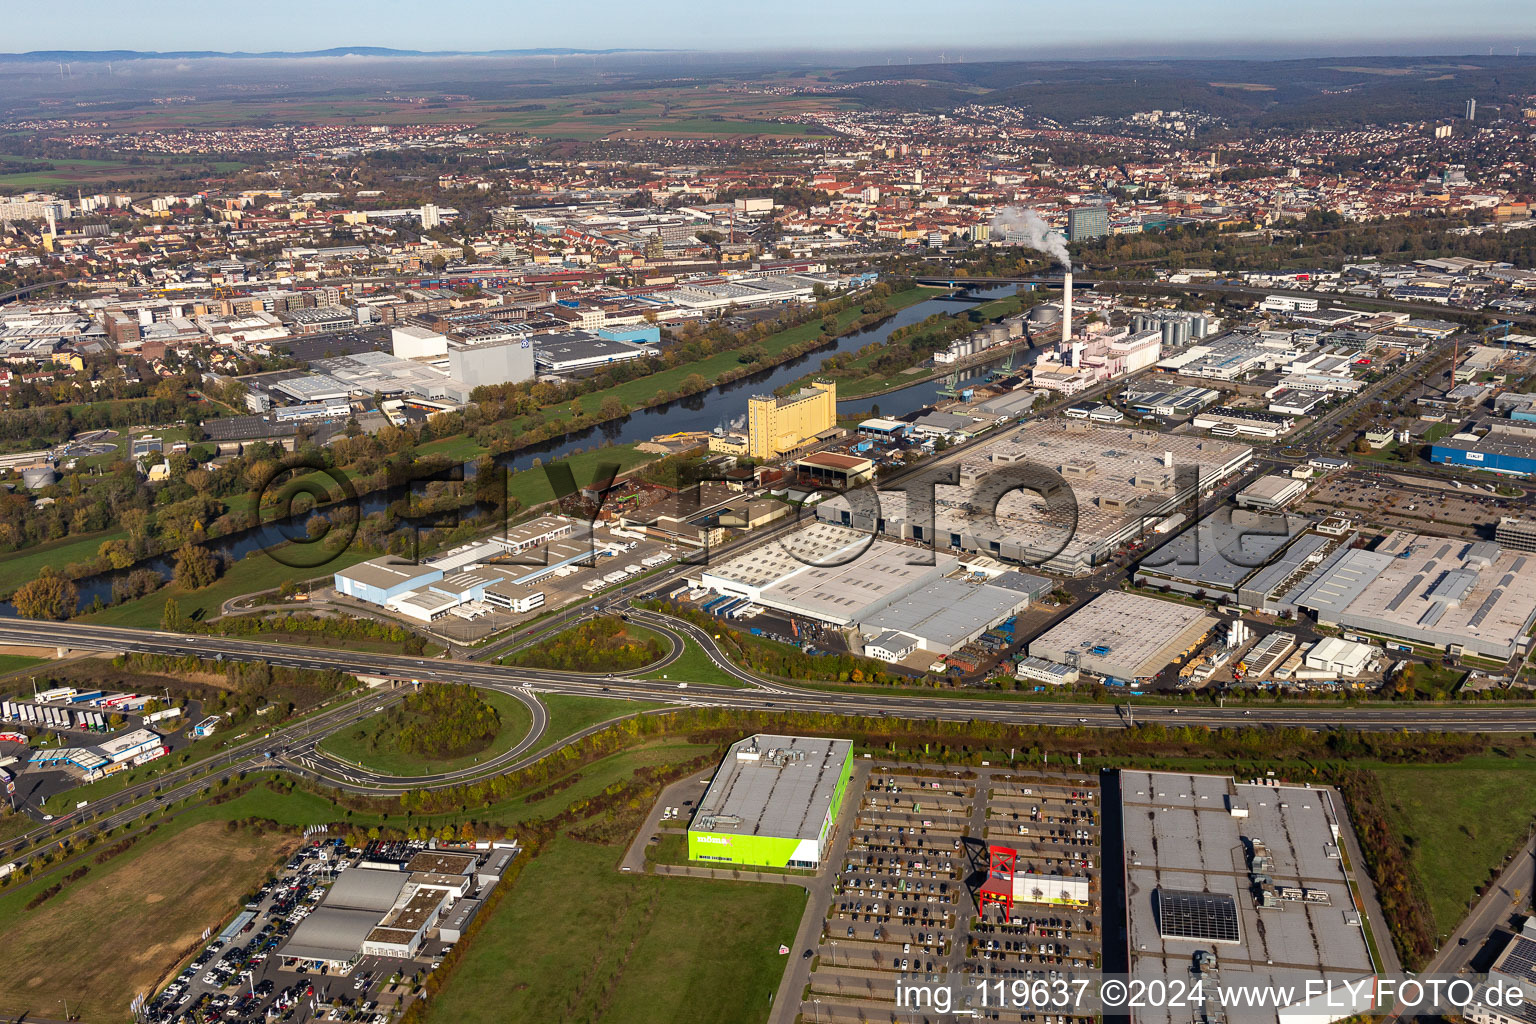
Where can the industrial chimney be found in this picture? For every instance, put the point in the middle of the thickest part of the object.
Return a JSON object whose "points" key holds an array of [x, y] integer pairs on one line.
{"points": [[1066, 308]]}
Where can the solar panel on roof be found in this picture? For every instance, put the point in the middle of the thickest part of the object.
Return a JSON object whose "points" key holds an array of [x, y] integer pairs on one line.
{"points": [[1521, 959], [1196, 915]]}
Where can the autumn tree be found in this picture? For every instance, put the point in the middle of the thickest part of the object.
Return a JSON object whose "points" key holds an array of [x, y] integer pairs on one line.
{"points": [[115, 553], [196, 567], [50, 596]]}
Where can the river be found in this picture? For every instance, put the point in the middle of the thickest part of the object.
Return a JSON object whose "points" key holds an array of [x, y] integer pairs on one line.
{"points": [[704, 411]]}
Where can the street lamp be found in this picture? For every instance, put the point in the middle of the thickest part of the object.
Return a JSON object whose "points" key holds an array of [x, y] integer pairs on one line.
{"points": [[817, 1001]]}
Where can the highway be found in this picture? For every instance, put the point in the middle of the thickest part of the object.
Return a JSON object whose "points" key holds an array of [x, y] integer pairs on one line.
{"points": [[294, 749], [771, 693]]}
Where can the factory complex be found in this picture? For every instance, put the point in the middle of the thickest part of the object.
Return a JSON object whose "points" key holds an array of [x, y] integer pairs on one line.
{"points": [[774, 802], [900, 596], [1117, 482], [389, 908], [1460, 595], [1239, 557], [506, 572]]}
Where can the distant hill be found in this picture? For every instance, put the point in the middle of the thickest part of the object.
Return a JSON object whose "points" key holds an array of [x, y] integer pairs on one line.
{"points": [[88, 56], [1282, 93]]}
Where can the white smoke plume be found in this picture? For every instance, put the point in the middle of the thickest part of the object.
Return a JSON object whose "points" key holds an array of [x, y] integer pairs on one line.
{"points": [[1026, 227]]}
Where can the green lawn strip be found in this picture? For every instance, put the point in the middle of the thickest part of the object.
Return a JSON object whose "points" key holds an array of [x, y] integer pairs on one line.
{"points": [[569, 715], [694, 666], [13, 825], [352, 744], [16, 662], [1460, 821], [259, 571], [581, 941], [24, 565]]}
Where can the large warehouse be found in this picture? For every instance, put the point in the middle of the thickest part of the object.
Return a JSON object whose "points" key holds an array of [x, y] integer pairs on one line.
{"points": [[1124, 637], [1499, 446], [1476, 596], [1241, 885], [844, 577], [773, 802], [948, 613], [832, 573], [1237, 556]]}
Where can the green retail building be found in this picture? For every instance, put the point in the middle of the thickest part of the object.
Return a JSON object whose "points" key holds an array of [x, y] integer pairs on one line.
{"points": [[773, 803]]}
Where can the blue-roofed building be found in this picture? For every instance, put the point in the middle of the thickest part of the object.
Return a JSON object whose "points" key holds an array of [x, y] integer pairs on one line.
{"points": [[635, 334], [1507, 447]]}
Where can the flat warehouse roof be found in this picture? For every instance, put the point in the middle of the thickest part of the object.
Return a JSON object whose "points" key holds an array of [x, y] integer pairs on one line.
{"points": [[1189, 860], [843, 593], [947, 611], [1224, 548], [821, 543], [1433, 589], [1127, 636], [386, 572], [768, 785]]}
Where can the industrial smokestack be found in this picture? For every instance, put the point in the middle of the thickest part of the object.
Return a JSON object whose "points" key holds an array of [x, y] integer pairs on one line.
{"points": [[1066, 307]]}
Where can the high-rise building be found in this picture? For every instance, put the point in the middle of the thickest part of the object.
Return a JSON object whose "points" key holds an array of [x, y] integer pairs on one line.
{"points": [[1471, 110], [1086, 222], [431, 217], [782, 426], [492, 360]]}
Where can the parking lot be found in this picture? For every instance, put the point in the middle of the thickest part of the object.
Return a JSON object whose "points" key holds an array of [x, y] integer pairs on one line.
{"points": [[1411, 503], [904, 901]]}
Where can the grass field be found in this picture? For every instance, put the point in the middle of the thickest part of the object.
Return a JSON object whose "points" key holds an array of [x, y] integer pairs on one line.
{"points": [[257, 572], [153, 901], [1460, 821], [67, 172], [569, 715], [16, 662], [354, 746], [578, 941], [24, 565], [694, 666]]}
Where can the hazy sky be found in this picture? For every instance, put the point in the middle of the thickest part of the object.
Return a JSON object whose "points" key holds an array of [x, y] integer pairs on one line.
{"points": [[903, 27]]}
